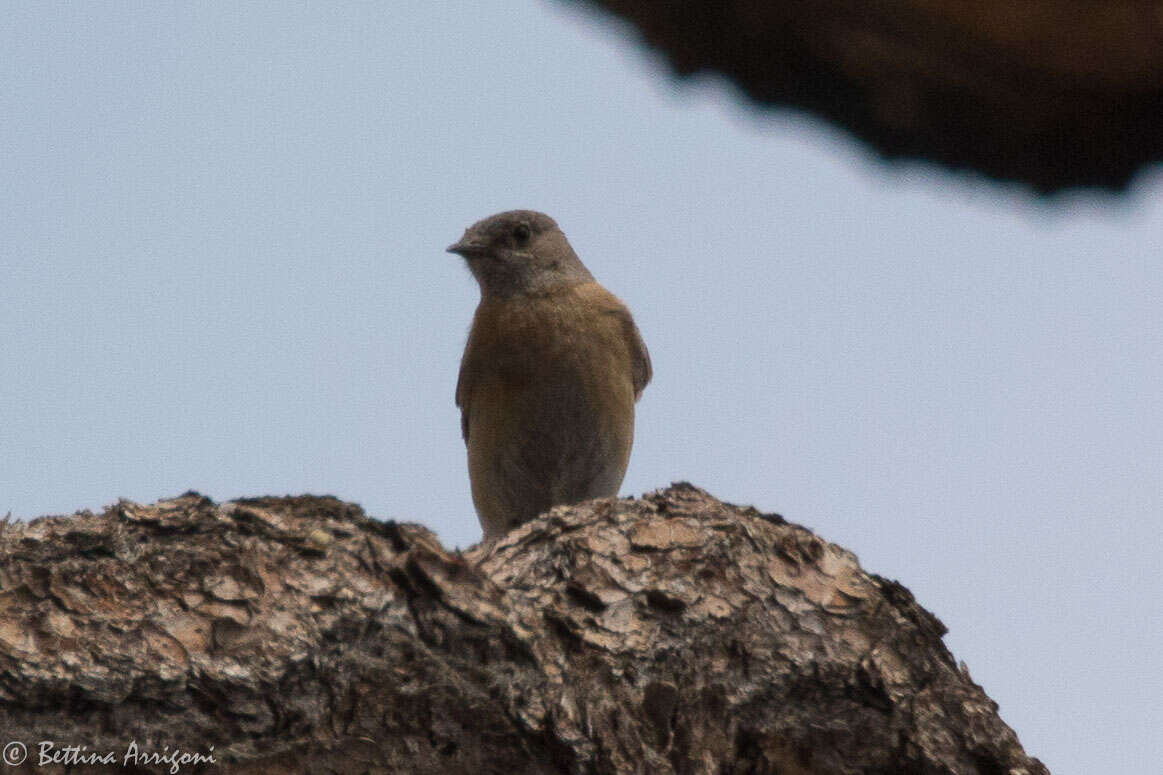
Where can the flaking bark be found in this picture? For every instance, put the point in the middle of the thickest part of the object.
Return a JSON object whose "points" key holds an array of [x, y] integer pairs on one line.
{"points": [[671, 633]]}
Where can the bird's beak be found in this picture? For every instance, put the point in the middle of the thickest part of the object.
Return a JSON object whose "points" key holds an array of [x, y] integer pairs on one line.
{"points": [[466, 247]]}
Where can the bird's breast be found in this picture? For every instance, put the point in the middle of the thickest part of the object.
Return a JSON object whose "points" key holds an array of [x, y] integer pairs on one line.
{"points": [[551, 359]]}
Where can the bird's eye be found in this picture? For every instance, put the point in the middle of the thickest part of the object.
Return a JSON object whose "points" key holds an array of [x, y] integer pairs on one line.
{"points": [[521, 233]]}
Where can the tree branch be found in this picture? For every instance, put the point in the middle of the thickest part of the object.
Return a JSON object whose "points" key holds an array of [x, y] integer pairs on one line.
{"points": [[672, 633]]}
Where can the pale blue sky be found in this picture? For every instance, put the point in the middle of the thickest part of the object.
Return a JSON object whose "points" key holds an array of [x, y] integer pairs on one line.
{"points": [[221, 268]]}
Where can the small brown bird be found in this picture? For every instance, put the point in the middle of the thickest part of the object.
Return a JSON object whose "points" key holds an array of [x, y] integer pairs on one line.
{"points": [[549, 377]]}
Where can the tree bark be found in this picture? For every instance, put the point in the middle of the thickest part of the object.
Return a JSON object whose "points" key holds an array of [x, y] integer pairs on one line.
{"points": [[671, 633], [1053, 94]]}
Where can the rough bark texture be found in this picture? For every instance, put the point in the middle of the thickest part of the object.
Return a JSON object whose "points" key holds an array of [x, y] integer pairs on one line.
{"points": [[672, 633], [1051, 93]]}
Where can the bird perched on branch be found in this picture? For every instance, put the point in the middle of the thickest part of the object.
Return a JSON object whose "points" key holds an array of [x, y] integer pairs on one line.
{"points": [[549, 377]]}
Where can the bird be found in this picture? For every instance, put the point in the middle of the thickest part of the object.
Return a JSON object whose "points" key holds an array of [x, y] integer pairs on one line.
{"points": [[551, 371]]}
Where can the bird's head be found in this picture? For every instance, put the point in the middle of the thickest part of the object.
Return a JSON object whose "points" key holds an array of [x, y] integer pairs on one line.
{"points": [[519, 252]]}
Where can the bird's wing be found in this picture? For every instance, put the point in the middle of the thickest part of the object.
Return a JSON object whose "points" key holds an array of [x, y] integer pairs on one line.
{"points": [[463, 390], [640, 369]]}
